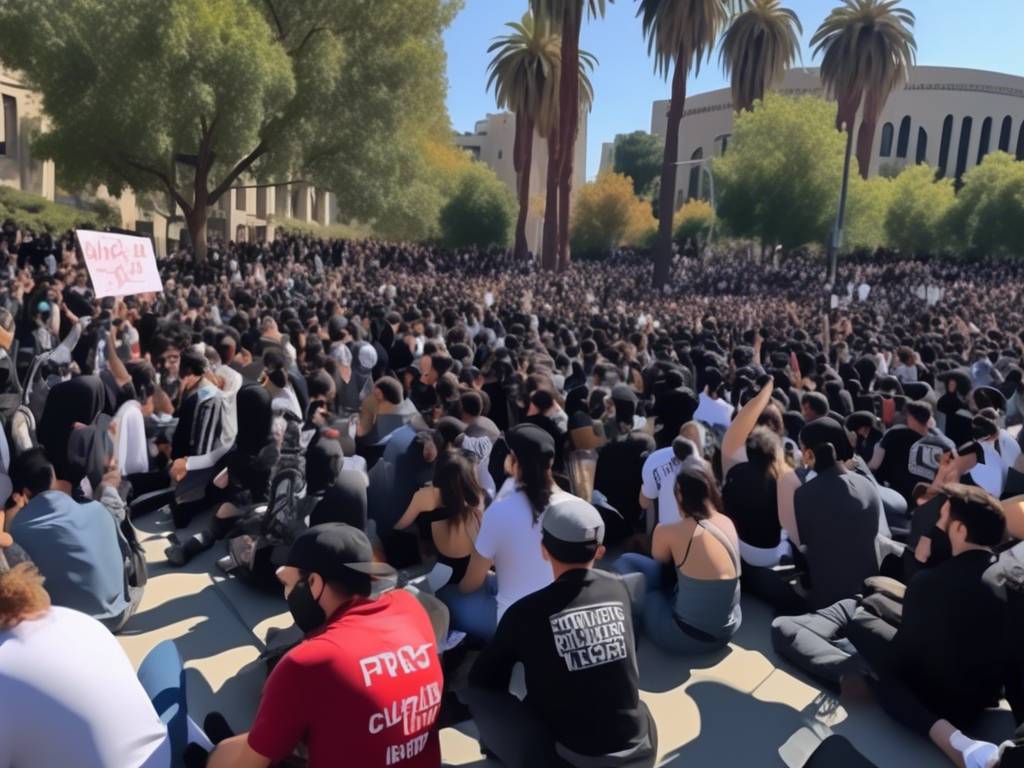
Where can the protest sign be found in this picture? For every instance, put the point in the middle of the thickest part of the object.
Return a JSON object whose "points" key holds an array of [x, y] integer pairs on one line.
{"points": [[119, 265]]}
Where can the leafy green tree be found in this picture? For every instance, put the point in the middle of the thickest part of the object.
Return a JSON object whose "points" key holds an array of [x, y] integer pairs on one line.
{"points": [[693, 222], [187, 96], [638, 155], [779, 180], [988, 216], [480, 212], [680, 35], [869, 203], [916, 219], [761, 43], [607, 214]]}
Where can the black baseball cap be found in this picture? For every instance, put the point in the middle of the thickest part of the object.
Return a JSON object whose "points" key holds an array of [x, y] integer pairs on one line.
{"points": [[530, 443], [342, 554]]}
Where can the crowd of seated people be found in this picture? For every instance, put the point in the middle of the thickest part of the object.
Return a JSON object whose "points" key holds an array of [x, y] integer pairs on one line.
{"points": [[444, 458]]}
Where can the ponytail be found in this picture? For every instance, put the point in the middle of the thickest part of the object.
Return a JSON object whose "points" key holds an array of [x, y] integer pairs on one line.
{"points": [[824, 457]]}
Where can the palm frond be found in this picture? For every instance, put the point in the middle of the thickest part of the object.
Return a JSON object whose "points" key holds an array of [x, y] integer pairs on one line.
{"points": [[682, 31]]}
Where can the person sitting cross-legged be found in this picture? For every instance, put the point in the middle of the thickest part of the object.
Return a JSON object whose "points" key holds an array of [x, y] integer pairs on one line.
{"points": [[575, 640], [364, 687]]}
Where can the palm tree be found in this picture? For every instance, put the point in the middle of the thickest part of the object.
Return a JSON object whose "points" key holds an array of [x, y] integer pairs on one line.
{"points": [[567, 15], [761, 43], [525, 74], [868, 48], [680, 33]]}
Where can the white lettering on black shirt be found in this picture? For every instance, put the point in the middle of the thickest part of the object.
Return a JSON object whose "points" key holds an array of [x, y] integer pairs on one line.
{"points": [[590, 636]]}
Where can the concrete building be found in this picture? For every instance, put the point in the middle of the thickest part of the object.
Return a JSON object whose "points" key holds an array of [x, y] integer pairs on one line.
{"points": [[246, 213], [946, 117], [607, 157], [21, 117], [492, 142]]}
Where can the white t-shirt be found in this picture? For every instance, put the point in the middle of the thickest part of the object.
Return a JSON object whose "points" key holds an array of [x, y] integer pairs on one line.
{"points": [[658, 482], [71, 698], [509, 537], [717, 413]]}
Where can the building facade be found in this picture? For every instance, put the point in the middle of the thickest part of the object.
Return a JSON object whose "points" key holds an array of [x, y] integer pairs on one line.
{"points": [[949, 118], [246, 213], [493, 142]]}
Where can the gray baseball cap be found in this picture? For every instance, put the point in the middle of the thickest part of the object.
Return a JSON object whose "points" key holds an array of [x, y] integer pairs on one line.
{"points": [[574, 521]]}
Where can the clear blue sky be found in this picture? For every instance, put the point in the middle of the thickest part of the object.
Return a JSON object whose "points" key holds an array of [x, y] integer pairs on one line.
{"points": [[981, 34]]}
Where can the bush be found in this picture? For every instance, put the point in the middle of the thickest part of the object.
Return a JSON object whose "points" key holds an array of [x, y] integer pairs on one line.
{"points": [[915, 221], [480, 212], [607, 215], [329, 232], [988, 216], [693, 222], [38, 213]]}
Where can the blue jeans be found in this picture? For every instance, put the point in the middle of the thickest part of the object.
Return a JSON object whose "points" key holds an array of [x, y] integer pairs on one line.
{"points": [[475, 613], [657, 610], [163, 679]]}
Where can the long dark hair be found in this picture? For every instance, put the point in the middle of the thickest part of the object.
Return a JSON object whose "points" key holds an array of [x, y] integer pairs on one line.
{"points": [[764, 451], [455, 477], [535, 482], [697, 493]]}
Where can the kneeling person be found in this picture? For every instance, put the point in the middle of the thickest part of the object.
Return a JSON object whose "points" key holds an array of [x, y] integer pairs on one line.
{"points": [[575, 639], [364, 688]]}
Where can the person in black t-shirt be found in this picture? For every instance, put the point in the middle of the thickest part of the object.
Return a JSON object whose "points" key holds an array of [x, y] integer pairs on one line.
{"points": [[908, 455], [575, 639]]}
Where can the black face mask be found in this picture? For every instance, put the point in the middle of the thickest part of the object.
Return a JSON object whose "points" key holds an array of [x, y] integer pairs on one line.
{"points": [[304, 608]]}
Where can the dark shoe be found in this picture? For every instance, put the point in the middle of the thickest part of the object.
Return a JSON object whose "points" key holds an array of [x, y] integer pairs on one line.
{"points": [[176, 555]]}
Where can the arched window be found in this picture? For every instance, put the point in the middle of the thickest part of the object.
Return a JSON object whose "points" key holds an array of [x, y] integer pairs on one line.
{"points": [[903, 141], [1004, 134], [947, 138], [965, 144], [922, 146], [886, 150], [1020, 142], [695, 171], [986, 138]]}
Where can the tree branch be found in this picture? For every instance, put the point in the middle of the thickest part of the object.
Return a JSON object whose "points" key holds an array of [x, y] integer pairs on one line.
{"points": [[298, 49], [277, 21], [163, 177], [238, 170]]}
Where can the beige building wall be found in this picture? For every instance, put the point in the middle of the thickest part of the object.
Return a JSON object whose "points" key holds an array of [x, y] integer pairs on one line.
{"points": [[493, 141], [938, 107], [607, 157], [21, 117]]}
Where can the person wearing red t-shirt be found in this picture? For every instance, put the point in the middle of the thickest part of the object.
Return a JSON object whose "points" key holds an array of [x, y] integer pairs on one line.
{"points": [[364, 687]]}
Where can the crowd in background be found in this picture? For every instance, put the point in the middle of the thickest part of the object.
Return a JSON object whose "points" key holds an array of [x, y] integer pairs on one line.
{"points": [[452, 460]]}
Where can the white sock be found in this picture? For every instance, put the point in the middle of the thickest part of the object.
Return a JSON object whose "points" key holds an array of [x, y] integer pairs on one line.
{"points": [[976, 754]]}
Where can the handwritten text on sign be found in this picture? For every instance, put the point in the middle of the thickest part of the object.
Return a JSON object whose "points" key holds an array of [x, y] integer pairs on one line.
{"points": [[119, 265]]}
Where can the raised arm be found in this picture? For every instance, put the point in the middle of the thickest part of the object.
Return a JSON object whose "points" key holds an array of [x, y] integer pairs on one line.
{"points": [[736, 436]]}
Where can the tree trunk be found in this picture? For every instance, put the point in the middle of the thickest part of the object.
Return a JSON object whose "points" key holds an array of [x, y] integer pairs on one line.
{"points": [[866, 134], [837, 233], [524, 144], [569, 103], [564, 221], [549, 248], [666, 201], [196, 220]]}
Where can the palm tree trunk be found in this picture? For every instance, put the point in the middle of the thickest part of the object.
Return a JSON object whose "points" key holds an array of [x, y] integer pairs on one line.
{"points": [[569, 102], [549, 249], [524, 161], [837, 233], [866, 135], [666, 200]]}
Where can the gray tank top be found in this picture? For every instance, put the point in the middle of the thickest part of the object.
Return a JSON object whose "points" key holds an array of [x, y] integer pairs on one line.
{"points": [[711, 606]]}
